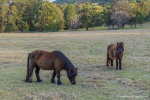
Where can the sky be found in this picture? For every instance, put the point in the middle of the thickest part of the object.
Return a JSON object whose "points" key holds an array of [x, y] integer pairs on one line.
{"points": [[51, 0]]}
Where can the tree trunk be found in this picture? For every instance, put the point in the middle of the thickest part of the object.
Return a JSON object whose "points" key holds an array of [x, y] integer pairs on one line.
{"points": [[123, 25], [113, 26], [75, 29], [118, 26], [131, 26], [87, 28]]}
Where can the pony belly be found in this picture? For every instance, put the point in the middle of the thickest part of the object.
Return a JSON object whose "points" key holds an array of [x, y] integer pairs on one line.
{"points": [[47, 67], [113, 58], [45, 64]]}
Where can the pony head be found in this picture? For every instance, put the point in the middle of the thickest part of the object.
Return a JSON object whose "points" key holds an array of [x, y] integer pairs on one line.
{"points": [[72, 73]]}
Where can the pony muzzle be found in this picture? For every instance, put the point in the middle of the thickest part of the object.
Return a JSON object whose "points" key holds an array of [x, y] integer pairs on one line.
{"points": [[73, 82]]}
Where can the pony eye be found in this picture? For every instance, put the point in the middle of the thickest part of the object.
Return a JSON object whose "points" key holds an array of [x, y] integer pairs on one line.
{"points": [[71, 71]]}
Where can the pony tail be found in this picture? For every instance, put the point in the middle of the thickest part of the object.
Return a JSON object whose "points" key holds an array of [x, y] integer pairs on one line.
{"points": [[107, 52], [27, 76]]}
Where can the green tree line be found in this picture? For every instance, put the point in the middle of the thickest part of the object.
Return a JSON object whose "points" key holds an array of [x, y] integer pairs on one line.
{"points": [[42, 15], [83, 1]]}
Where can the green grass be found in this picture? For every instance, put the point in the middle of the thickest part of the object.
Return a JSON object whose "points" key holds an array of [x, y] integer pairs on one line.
{"points": [[87, 51]]}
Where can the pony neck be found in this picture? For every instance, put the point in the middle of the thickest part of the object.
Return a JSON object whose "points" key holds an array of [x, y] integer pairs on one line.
{"points": [[69, 67]]}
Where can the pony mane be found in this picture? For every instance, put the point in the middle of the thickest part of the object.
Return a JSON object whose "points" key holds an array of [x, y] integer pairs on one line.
{"points": [[66, 61]]}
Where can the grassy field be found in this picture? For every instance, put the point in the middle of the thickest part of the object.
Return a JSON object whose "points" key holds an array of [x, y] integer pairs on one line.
{"points": [[87, 51]]}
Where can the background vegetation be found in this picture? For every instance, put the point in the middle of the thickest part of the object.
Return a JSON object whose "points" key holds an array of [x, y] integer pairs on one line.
{"points": [[41, 15]]}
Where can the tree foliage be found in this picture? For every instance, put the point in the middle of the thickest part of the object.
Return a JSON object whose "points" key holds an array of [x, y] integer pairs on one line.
{"points": [[82, 1], [70, 16], [50, 17], [120, 18], [42, 15]]}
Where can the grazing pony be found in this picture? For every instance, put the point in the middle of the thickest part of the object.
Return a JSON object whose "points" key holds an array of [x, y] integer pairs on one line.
{"points": [[115, 52], [45, 60]]}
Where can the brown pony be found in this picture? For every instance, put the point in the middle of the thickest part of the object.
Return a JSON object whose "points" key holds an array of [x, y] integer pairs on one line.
{"points": [[115, 52], [45, 60]]}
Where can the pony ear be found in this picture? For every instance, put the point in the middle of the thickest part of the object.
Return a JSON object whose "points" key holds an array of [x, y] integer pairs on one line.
{"points": [[123, 44], [77, 68], [117, 43]]}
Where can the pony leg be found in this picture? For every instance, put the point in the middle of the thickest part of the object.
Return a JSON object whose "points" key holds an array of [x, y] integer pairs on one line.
{"points": [[107, 60], [37, 74], [53, 77], [58, 77], [119, 63], [30, 74], [116, 64], [111, 62]]}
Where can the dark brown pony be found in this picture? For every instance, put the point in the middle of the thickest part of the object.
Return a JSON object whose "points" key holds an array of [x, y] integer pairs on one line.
{"points": [[55, 60], [115, 52]]}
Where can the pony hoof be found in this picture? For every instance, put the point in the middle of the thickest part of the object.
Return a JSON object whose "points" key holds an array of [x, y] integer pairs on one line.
{"points": [[59, 83], [53, 82], [30, 81], [39, 80]]}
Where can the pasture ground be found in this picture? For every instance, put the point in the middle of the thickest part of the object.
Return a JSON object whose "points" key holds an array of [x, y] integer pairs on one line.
{"points": [[87, 51]]}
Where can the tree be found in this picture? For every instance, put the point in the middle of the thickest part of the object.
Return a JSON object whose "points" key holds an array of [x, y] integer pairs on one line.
{"points": [[107, 12], [96, 15], [85, 17], [4, 8], [134, 10], [70, 16], [63, 6], [140, 10], [78, 7], [120, 18], [143, 10], [148, 5], [31, 13], [50, 17], [91, 15], [12, 19], [21, 6], [121, 12], [82, 1]]}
